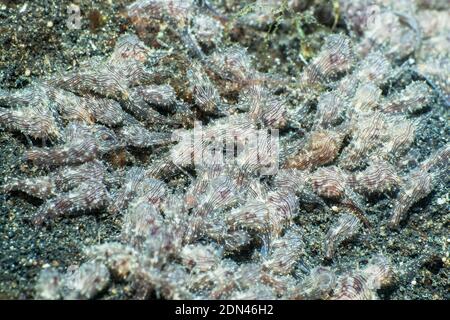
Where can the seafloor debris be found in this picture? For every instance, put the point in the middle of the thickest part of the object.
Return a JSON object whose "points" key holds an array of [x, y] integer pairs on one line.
{"points": [[196, 199]]}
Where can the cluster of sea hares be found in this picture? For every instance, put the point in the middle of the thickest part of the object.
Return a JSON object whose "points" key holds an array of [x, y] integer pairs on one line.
{"points": [[179, 240]]}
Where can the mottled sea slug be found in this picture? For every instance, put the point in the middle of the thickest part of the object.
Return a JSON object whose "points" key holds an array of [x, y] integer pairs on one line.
{"points": [[231, 150]]}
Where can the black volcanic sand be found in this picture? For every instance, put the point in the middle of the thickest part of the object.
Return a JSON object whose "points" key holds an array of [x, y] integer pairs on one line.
{"points": [[37, 42]]}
